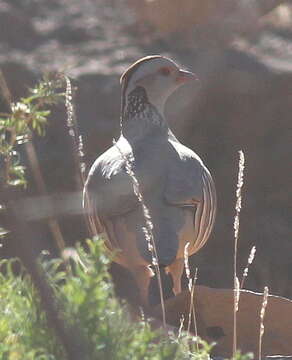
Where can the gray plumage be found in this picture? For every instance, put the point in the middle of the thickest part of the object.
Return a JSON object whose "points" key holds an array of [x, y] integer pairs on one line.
{"points": [[177, 188]]}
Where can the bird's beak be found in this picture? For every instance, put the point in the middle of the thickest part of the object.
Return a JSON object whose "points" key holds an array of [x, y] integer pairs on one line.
{"points": [[185, 76]]}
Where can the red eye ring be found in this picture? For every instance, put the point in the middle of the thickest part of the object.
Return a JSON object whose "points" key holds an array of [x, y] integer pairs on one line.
{"points": [[165, 71]]}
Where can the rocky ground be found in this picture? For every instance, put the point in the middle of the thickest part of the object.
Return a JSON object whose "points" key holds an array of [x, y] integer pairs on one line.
{"points": [[243, 102]]}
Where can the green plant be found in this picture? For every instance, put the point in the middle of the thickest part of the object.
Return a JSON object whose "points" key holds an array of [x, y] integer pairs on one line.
{"points": [[28, 115], [86, 295], [24, 333]]}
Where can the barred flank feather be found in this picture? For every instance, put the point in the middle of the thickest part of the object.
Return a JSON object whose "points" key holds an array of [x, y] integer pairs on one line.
{"points": [[205, 213]]}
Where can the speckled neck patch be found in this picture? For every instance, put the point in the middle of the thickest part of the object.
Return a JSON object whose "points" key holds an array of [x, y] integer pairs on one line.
{"points": [[139, 107], [136, 102]]}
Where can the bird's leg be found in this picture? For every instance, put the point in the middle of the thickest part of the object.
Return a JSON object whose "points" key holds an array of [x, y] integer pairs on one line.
{"points": [[142, 275], [176, 270]]}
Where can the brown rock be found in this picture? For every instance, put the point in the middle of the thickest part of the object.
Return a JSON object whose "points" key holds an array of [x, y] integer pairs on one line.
{"points": [[214, 313]]}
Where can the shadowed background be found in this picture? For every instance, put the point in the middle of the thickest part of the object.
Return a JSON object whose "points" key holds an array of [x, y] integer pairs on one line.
{"points": [[242, 55]]}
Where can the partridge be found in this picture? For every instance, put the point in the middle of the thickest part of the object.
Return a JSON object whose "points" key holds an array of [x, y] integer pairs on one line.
{"points": [[176, 186]]}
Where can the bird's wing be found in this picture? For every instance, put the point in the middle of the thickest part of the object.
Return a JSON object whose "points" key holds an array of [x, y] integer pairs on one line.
{"points": [[189, 184], [108, 193]]}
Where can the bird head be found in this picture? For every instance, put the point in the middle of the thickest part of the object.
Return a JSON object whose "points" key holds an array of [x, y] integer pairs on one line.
{"points": [[158, 76]]}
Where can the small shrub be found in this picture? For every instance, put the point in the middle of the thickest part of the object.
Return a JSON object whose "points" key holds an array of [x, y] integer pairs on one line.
{"points": [[84, 290]]}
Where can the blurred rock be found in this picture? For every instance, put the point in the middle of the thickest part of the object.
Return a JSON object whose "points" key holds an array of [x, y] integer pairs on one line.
{"points": [[19, 78], [245, 105], [206, 22], [16, 28]]}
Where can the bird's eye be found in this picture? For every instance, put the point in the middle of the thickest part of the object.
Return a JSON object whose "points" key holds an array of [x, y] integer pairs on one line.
{"points": [[165, 71]]}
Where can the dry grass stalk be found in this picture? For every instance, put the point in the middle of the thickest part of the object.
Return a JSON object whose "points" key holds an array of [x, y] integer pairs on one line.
{"points": [[236, 297], [249, 262], [262, 317], [147, 229], [181, 326], [193, 308], [191, 286], [190, 311], [187, 267], [236, 294], [142, 314], [236, 235], [77, 142], [78, 154]]}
